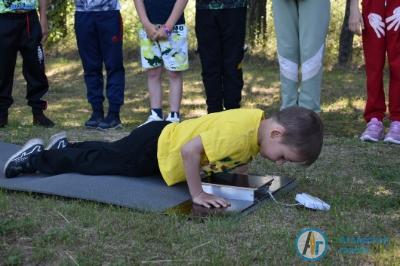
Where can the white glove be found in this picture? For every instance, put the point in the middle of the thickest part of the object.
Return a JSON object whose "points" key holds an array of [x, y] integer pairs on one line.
{"points": [[394, 20], [377, 24]]}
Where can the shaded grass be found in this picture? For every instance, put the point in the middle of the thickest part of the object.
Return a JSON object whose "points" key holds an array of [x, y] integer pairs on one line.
{"points": [[359, 180]]}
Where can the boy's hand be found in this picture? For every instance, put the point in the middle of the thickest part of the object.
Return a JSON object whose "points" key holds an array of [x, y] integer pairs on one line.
{"points": [[151, 31], [161, 34], [209, 200], [356, 23]]}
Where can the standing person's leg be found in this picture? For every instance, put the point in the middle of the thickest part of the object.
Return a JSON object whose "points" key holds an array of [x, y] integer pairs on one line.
{"points": [[393, 50], [89, 50], [175, 95], [33, 68], [233, 23], [314, 16], [286, 20], [174, 52], [134, 155], [110, 29], [374, 56], [10, 28], [151, 59], [155, 90], [374, 44], [208, 34]]}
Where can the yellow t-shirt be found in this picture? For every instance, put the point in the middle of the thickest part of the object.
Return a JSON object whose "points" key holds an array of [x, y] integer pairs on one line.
{"points": [[229, 139]]}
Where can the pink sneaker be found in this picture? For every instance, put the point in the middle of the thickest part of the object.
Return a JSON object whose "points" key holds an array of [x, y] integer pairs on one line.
{"points": [[393, 136], [373, 132]]}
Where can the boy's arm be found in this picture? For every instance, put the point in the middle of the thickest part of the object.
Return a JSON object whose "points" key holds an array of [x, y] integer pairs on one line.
{"points": [[43, 19], [356, 23], [176, 13], [151, 30], [191, 154]]}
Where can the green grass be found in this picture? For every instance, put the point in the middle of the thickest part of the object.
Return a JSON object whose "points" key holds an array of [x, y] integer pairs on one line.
{"points": [[360, 180]]}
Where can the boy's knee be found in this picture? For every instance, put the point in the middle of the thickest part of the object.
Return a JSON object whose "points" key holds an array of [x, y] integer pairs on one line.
{"points": [[154, 73], [174, 74]]}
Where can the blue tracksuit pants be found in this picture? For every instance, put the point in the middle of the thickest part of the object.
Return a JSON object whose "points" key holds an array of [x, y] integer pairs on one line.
{"points": [[99, 37]]}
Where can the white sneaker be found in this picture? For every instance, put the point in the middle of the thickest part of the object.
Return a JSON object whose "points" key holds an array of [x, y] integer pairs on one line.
{"points": [[173, 118], [153, 117]]}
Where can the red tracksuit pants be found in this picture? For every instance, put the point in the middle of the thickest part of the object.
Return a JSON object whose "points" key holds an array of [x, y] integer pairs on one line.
{"points": [[380, 37]]}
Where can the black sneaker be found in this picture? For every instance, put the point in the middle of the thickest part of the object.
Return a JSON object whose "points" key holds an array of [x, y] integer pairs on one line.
{"points": [[19, 163], [40, 119], [3, 119], [58, 141], [112, 121], [95, 119]]}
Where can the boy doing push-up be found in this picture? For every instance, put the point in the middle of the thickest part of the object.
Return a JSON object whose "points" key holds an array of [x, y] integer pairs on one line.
{"points": [[212, 143]]}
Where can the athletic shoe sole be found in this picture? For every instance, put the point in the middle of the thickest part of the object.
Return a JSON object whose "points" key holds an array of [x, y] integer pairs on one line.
{"points": [[391, 140], [55, 138], [89, 127], [369, 138], [27, 145]]}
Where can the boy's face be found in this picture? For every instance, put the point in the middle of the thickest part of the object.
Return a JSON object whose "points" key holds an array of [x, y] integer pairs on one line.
{"points": [[281, 153], [272, 148]]}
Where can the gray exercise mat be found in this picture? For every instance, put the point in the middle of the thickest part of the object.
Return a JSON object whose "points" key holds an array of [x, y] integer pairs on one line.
{"points": [[146, 193]]}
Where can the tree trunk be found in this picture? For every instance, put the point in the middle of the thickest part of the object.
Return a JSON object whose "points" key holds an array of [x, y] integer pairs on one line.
{"points": [[257, 21], [346, 40]]}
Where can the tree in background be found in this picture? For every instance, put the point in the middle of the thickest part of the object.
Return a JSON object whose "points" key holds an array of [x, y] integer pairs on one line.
{"points": [[58, 12], [257, 22]]}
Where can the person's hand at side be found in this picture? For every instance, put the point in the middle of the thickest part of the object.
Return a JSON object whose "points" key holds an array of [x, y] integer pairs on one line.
{"points": [[191, 154], [356, 23], [43, 20]]}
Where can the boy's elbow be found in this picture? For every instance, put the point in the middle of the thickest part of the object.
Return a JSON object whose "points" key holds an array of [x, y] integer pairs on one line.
{"points": [[186, 151], [192, 148]]}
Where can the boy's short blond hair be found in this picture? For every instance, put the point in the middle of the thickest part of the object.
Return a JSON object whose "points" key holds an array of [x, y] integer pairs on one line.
{"points": [[303, 131]]}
